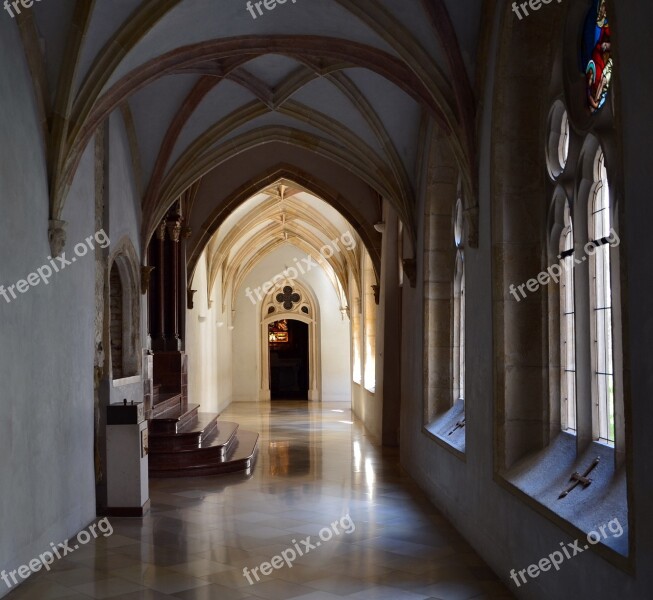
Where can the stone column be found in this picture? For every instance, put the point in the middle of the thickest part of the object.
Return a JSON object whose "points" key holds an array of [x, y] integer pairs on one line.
{"points": [[160, 286], [174, 230], [186, 232], [388, 366]]}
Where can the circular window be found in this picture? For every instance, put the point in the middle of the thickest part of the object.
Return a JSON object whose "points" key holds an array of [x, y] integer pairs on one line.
{"points": [[458, 224], [563, 144], [557, 151]]}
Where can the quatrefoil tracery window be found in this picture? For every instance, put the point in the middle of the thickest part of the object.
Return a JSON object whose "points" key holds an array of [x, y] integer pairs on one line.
{"points": [[288, 298]]}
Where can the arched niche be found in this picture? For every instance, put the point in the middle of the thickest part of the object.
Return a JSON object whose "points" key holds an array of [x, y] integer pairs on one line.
{"points": [[124, 310]]}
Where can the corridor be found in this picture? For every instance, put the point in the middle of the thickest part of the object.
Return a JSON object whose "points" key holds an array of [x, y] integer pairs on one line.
{"points": [[314, 467]]}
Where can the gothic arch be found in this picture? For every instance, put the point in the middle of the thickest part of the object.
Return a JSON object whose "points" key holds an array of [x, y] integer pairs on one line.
{"points": [[363, 226], [305, 310], [123, 267]]}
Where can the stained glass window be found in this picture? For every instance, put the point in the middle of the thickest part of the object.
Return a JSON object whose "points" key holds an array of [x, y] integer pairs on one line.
{"points": [[596, 55], [278, 332]]}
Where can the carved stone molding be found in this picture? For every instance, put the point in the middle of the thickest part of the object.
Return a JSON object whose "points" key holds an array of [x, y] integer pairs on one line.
{"points": [[161, 231], [410, 270], [377, 294], [174, 230], [189, 298], [186, 232], [57, 236], [146, 274]]}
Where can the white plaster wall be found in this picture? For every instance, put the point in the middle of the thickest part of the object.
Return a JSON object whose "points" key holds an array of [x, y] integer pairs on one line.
{"points": [[47, 492], [208, 345], [124, 204], [334, 331]]}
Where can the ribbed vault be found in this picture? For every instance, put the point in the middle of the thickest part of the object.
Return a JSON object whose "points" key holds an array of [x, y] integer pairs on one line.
{"points": [[283, 213]]}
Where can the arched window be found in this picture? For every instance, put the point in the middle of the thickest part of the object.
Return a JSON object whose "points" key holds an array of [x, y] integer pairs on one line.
{"points": [[576, 160], [369, 317], [561, 407], [124, 311], [600, 229], [116, 323], [594, 328], [444, 304], [567, 326], [356, 339], [459, 307]]}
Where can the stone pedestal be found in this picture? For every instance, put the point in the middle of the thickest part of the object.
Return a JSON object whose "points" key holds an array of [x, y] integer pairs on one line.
{"points": [[127, 467]]}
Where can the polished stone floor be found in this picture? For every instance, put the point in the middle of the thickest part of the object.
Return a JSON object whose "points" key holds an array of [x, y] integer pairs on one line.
{"points": [[315, 466]]}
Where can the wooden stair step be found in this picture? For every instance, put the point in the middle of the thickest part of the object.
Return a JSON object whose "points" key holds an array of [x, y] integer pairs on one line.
{"points": [[164, 403], [182, 441], [217, 444], [215, 448], [191, 434], [173, 420], [241, 456]]}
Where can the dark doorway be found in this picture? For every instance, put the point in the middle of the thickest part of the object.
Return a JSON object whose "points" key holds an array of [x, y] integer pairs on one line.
{"points": [[288, 344]]}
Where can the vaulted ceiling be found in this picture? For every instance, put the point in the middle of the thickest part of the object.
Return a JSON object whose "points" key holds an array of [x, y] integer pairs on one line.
{"points": [[335, 94], [283, 214]]}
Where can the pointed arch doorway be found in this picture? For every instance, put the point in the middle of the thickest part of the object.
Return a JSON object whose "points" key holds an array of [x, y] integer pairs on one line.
{"points": [[288, 359], [289, 345]]}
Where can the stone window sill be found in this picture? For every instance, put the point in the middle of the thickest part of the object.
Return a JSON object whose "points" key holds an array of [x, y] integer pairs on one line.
{"points": [[441, 429], [543, 476], [126, 381]]}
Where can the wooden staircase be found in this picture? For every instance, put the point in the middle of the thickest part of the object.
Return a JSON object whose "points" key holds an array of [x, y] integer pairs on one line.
{"points": [[184, 442]]}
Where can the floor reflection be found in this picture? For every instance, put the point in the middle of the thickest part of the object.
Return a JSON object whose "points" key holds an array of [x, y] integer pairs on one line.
{"points": [[315, 466], [292, 434]]}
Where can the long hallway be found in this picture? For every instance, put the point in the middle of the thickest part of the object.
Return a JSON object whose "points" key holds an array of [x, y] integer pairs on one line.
{"points": [[315, 466]]}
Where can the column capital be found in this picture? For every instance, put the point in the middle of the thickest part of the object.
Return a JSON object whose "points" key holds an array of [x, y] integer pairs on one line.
{"points": [[174, 230], [161, 231], [146, 273], [56, 236]]}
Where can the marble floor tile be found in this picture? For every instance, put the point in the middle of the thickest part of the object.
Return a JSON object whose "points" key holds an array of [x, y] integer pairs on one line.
{"points": [[278, 589], [387, 593], [107, 588], [315, 466], [161, 579]]}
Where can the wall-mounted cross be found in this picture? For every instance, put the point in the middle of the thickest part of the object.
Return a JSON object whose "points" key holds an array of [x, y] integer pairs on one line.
{"points": [[583, 479], [288, 297], [459, 425]]}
